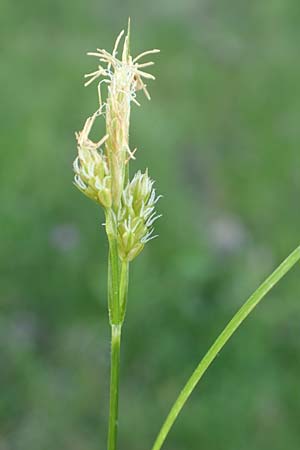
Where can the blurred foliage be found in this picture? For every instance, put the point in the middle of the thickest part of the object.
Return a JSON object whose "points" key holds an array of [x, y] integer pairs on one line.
{"points": [[221, 137]]}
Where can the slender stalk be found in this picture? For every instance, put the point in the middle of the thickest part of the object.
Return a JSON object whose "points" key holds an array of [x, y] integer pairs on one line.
{"points": [[114, 387], [113, 269], [229, 330], [113, 282], [124, 288], [116, 327]]}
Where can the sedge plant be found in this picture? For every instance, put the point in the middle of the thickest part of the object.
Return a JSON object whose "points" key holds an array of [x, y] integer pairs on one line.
{"points": [[129, 204]]}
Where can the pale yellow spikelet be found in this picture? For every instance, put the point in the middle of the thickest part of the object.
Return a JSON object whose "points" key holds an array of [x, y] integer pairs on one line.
{"points": [[123, 77]]}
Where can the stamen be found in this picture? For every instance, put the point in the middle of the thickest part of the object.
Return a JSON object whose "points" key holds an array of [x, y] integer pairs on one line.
{"points": [[143, 86], [150, 63], [135, 101], [91, 74], [146, 75], [94, 54], [148, 52], [87, 83], [102, 140], [125, 50], [117, 43], [131, 154]]}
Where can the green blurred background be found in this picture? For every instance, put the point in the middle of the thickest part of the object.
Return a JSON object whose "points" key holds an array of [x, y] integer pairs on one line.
{"points": [[221, 137]]}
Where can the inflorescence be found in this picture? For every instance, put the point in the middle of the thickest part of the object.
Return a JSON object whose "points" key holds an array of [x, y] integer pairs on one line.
{"points": [[101, 168]]}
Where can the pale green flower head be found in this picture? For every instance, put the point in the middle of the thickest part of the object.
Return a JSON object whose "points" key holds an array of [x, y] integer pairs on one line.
{"points": [[92, 176], [136, 216]]}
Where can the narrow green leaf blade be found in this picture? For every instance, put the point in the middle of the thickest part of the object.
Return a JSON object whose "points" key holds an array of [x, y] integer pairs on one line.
{"points": [[221, 340]]}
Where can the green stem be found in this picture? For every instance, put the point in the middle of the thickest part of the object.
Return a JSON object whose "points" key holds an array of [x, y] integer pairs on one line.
{"points": [[124, 288], [113, 270], [114, 387], [113, 282], [115, 359], [214, 350], [117, 298], [115, 322]]}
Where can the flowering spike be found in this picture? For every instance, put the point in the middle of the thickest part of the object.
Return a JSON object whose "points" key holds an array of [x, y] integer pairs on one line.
{"points": [[92, 175], [136, 216], [103, 175]]}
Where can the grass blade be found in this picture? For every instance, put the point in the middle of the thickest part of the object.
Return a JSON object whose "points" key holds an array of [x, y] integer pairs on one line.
{"points": [[221, 340]]}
